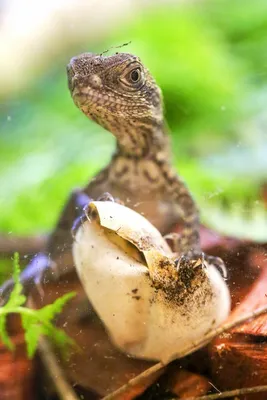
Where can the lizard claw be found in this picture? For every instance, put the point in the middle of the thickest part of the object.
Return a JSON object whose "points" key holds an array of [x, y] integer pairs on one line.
{"points": [[106, 197], [182, 260], [200, 259], [192, 259], [219, 264]]}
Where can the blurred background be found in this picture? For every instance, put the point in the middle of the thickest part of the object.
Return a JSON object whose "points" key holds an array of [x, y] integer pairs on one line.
{"points": [[210, 59]]}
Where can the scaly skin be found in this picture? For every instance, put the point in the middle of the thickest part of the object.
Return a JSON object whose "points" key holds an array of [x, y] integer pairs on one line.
{"points": [[119, 93], [103, 88]]}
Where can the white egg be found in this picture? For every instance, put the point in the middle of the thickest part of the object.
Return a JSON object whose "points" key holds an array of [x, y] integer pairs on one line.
{"points": [[151, 309]]}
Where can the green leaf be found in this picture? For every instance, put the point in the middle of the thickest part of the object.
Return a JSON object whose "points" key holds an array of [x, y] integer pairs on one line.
{"points": [[16, 298], [32, 333], [35, 322], [3, 333], [51, 310]]}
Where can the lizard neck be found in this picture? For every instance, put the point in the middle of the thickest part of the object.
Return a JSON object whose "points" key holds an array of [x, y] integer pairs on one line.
{"points": [[142, 138]]}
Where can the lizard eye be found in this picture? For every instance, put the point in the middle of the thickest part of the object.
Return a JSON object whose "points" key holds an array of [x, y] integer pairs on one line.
{"points": [[133, 79], [135, 75]]}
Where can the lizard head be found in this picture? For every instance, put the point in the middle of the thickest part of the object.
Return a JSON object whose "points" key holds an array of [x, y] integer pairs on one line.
{"points": [[118, 93]]}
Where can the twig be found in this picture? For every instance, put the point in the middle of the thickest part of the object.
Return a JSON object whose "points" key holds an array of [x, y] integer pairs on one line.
{"points": [[216, 332], [115, 47], [62, 386], [54, 370], [22, 244], [135, 381], [229, 393]]}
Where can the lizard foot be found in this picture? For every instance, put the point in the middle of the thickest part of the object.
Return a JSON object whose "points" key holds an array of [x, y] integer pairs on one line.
{"points": [[81, 219], [108, 197], [40, 268], [198, 259]]}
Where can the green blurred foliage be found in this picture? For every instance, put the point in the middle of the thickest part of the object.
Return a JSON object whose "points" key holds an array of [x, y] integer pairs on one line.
{"points": [[244, 25], [203, 84], [48, 148], [209, 59]]}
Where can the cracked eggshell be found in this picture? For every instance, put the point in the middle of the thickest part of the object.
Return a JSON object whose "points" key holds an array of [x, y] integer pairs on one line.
{"points": [[129, 225], [143, 319]]}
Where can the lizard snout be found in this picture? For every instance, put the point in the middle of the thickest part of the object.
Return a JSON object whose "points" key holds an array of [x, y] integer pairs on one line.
{"points": [[70, 74], [84, 64]]}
